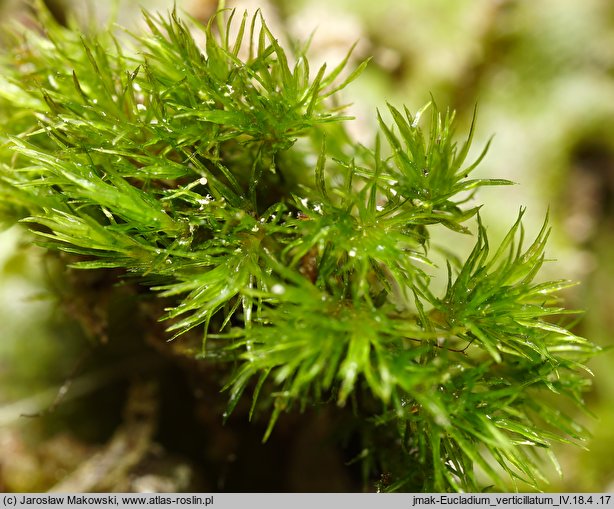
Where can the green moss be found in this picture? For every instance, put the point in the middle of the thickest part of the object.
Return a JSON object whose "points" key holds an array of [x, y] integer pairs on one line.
{"points": [[221, 177]]}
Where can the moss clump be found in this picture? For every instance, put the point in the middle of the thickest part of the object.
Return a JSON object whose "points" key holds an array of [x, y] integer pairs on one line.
{"points": [[295, 260]]}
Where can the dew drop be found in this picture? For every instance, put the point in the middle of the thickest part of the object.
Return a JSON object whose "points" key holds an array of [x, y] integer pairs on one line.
{"points": [[205, 201], [278, 289]]}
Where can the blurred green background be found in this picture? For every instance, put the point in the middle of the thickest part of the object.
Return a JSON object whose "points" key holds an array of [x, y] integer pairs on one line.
{"points": [[542, 75]]}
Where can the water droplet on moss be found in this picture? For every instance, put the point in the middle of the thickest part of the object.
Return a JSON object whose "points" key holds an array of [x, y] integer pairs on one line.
{"points": [[278, 289]]}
